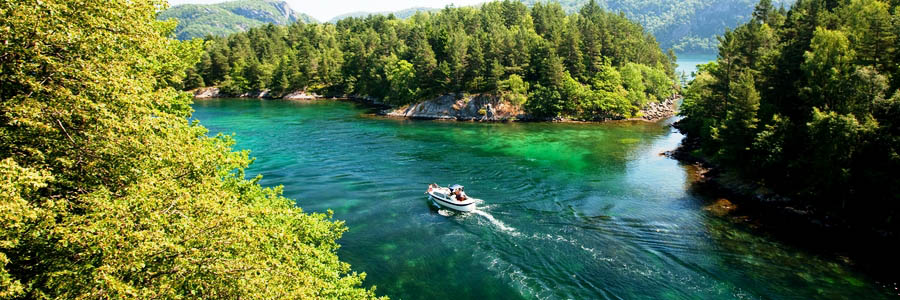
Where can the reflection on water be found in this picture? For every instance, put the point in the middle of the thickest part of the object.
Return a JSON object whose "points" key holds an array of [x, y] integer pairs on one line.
{"points": [[579, 211]]}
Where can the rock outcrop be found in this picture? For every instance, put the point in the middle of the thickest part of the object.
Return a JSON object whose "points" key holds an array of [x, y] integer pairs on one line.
{"points": [[491, 108], [214, 92], [459, 107], [655, 111], [302, 95], [483, 107], [206, 93], [260, 95]]}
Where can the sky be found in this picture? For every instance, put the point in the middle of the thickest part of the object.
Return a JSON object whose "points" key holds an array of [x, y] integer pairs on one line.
{"points": [[327, 9]]}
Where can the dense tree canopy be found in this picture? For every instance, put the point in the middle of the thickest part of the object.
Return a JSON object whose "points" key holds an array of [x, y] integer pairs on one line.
{"points": [[586, 65], [107, 191], [807, 102]]}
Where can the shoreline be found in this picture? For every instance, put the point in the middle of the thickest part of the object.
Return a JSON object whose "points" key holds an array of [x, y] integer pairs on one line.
{"points": [[456, 107], [791, 221]]}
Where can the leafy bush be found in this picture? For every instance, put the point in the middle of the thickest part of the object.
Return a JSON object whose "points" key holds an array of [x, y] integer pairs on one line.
{"points": [[514, 90]]}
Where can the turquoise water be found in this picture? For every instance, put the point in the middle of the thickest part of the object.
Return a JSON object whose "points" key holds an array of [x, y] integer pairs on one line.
{"points": [[571, 211], [687, 63]]}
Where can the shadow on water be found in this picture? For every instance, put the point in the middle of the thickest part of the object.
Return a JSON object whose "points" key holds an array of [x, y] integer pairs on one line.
{"points": [[572, 211]]}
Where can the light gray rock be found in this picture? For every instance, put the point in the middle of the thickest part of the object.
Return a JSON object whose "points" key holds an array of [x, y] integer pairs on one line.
{"points": [[458, 107], [206, 93], [301, 95], [655, 111]]}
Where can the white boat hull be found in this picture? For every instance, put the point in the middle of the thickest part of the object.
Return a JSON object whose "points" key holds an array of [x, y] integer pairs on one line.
{"points": [[444, 201]]}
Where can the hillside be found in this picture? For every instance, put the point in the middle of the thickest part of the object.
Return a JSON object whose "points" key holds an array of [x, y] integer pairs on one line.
{"points": [[687, 26], [197, 20]]}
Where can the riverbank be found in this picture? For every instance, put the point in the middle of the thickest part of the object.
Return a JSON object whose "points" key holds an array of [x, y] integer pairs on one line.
{"points": [[493, 109], [214, 92], [872, 250], [457, 107]]}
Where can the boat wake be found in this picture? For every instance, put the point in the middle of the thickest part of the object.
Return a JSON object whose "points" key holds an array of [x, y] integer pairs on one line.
{"points": [[493, 220]]}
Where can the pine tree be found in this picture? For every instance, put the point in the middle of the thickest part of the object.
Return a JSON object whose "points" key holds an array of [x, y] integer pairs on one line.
{"points": [[871, 32]]}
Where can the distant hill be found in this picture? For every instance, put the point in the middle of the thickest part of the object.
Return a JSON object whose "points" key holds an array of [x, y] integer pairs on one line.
{"points": [[687, 26], [197, 20], [402, 14]]}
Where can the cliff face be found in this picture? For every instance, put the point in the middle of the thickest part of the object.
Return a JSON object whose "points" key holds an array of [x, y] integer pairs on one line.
{"points": [[456, 107]]}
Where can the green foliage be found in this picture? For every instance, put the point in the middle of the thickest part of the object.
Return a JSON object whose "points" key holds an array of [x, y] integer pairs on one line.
{"points": [[201, 20], [736, 132], [646, 84], [401, 76], [799, 100], [503, 48], [514, 90], [827, 66], [106, 191]]}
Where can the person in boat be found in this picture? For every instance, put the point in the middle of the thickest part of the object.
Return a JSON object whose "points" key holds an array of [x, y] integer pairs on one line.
{"points": [[457, 191]]}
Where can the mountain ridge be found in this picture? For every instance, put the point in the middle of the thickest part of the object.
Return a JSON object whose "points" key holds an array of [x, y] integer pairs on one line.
{"points": [[220, 19]]}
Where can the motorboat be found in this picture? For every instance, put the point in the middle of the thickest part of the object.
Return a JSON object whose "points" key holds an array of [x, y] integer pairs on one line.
{"points": [[446, 197]]}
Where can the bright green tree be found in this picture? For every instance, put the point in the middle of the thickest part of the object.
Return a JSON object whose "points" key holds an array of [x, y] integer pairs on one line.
{"points": [[514, 90], [828, 67], [401, 76]]}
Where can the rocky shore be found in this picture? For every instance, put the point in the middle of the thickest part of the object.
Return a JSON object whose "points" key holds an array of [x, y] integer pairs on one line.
{"points": [[459, 107], [490, 108], [214, 92], [655, 111]]}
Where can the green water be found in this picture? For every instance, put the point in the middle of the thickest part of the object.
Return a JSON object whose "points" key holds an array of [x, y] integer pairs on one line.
{"points": [[572, 211]]}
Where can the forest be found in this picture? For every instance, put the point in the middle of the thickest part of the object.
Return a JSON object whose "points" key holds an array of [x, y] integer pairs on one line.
{"points": [[590, 65], [806, 103]]}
